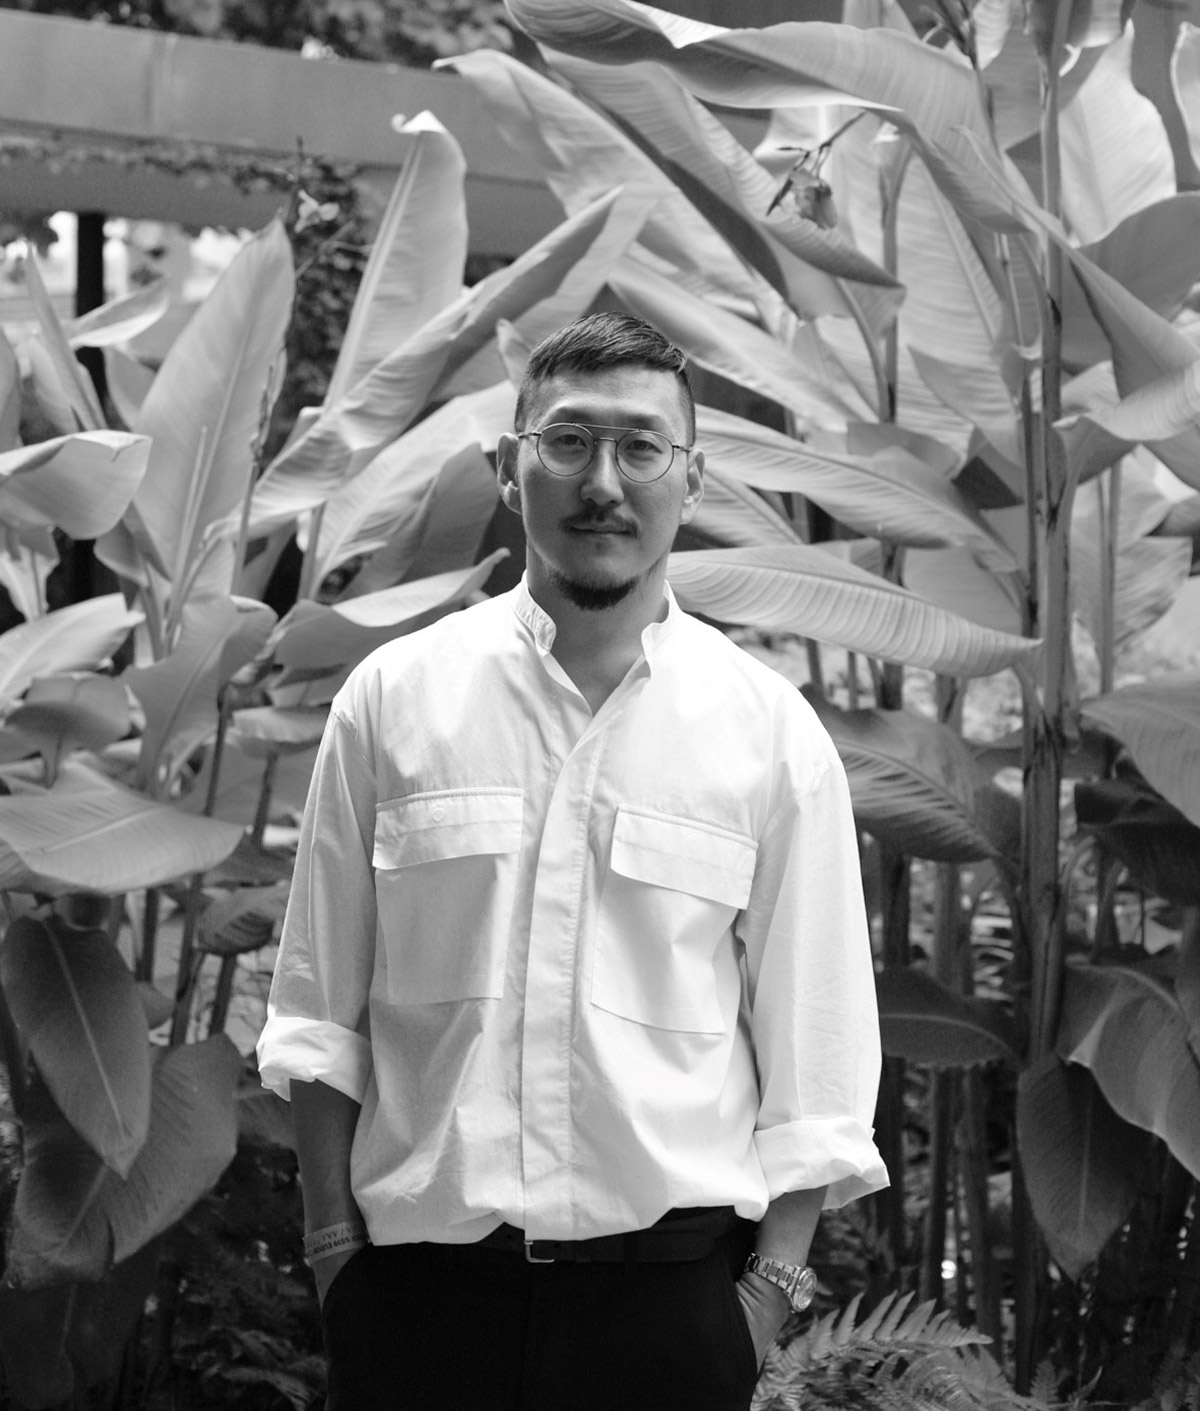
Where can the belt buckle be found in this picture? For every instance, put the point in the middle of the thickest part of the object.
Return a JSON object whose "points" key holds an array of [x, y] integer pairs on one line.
{"points": [[530, 1257]]}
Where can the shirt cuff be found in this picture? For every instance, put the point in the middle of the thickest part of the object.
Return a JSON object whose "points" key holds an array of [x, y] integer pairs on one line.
{"points": [[828, 1151], [311, 1050]]}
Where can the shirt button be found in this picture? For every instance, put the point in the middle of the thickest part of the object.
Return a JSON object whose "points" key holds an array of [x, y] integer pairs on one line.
{"points": [[438, 814]]}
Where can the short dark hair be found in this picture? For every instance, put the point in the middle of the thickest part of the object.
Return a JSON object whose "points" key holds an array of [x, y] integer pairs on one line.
{"points": [[597, 342]]}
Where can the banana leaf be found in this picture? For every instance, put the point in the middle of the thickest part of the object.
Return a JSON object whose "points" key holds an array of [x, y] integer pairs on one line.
{"points": [[925, 92], [922, 1021], [76, 1005], [77, 638], [808, 591], [871, 478], [81, 484], [1081, 1162], [204, 411], [74, 1219], [88, 834], [1115, 155], [415, 268], [915, 784], [1125, 1026], [1159, 724]]}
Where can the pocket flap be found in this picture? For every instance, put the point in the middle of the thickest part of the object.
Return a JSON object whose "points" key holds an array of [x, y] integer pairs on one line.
{"points": [[684, 856], [455, 823]]}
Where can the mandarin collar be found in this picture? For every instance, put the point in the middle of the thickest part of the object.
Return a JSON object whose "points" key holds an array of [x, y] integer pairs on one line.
{"points": [[542, 629]]}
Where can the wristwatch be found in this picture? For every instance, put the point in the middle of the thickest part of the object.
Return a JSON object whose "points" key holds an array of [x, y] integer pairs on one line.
{"points": [[798, 1281]]}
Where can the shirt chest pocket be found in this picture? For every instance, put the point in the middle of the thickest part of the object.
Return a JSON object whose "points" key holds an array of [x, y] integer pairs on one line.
{"points": [[445, 884], [671, 895]]}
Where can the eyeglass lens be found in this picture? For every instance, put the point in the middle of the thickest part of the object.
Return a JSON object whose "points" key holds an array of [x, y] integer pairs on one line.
{"points": [[567, 449]]}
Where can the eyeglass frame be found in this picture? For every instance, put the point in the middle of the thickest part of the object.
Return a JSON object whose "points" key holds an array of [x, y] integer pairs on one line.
{"points": [[624, 430]]}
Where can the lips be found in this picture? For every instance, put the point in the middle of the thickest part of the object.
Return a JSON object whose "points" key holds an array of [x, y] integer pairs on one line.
{"points": [[597, 526]]}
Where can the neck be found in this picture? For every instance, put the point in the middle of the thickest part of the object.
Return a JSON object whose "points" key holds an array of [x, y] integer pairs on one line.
{"points": [[610, 636]]}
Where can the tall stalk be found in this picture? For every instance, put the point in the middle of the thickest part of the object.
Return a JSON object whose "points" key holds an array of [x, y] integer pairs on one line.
{"points": [[1045, 721]]}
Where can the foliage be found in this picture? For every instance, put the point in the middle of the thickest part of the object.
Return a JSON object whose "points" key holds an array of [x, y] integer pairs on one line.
{"points": [[978, 475], [408, 32], [897, 1358], [118, 802]]}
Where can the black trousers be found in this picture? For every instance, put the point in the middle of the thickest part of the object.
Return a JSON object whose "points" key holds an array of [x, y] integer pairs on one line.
{"points": [[458, 1327]]}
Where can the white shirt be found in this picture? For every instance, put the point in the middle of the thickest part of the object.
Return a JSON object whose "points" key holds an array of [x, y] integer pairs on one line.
{"points": [[578, 969]]}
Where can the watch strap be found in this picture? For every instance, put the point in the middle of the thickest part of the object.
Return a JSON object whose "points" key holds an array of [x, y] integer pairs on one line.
{"points": [[798, 1281]]}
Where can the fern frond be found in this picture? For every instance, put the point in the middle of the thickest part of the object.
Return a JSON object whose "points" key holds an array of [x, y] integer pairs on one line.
{"points": [[897, 1359]]}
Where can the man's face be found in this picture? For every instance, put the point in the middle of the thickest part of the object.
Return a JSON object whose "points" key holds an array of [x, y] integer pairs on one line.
{"points": [[599, 532]]}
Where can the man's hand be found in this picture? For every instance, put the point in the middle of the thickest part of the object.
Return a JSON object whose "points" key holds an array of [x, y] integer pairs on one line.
{"points": [[766, 1308], [324, 1271]]}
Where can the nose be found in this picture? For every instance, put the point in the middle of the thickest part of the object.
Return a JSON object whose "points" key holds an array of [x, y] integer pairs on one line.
{"points": [[602, 483]]}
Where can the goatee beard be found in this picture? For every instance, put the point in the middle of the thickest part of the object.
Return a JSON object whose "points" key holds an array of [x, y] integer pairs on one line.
{"points": [[592, 597]]}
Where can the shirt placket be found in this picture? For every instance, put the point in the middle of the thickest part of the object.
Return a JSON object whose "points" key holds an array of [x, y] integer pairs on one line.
{"points": [[561, 888]]}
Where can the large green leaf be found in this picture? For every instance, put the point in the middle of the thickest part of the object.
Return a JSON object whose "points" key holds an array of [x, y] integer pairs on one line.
{"points": [[76, 1004], [416, 264], [798, 257], [867, 477], [1156, 843], [444, 535], [76, 638], [978, 394], [179, 693], [394, 490], [581, 156], [119, 320], [1080, 1161], [316, 639], [128, 381], [731, 514], [1145, 347], [24, 573], [91, 835], [956, 581], [1115, 155], [795, 377], [64, 713], [74, 1219], [1126, 1027], [806, 590], [204, 408], [1149, 571], [915, 784], [1159, 724], [924, 1022], [346, 436], [58, 376], [1154, 253], [81, 484], [922, 90], [262, 731]]}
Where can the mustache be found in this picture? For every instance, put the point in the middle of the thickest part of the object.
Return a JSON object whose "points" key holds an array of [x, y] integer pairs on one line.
{"points": [[598, 519]]}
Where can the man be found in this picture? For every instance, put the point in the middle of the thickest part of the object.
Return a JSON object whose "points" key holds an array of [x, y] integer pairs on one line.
{"points": [[574, 989]]}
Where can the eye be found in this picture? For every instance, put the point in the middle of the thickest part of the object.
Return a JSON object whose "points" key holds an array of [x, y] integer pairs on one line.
{"points": [[566, 439], [642, 445]]}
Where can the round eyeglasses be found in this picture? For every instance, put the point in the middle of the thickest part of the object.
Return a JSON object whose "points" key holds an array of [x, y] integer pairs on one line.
{"points": [[567, 449]]}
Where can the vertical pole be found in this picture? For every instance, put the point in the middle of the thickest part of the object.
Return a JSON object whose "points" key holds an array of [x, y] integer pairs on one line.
{"points": [[85, 577]]}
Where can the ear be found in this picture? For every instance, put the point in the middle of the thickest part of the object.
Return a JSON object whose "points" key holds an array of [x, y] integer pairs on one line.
{"points": [[695, 487], [507, 449]]}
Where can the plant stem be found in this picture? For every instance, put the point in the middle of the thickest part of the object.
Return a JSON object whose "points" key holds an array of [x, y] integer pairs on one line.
{"points": [[974, 1148], [263, 812]]}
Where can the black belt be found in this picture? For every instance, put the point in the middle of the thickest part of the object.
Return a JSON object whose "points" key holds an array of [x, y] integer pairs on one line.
{"points": [[679, 1236]]}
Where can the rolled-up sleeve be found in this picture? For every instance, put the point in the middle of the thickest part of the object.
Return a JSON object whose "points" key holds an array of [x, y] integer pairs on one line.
{"points": [[813, 1014], [317, 1014]]}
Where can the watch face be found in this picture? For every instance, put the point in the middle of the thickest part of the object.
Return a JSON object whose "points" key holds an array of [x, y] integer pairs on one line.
{"points": [[805, 1290]]}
